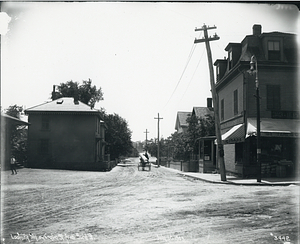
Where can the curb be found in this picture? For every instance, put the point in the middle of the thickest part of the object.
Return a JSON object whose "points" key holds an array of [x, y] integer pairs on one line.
{"points": [[240, 184]]}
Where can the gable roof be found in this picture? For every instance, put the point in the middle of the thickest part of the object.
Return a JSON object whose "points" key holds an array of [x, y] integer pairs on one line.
{"points": [[202, 112], [62, 105], [181, 119]]}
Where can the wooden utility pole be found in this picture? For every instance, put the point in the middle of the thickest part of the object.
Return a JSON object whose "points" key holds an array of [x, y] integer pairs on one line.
{"points": [[158, 159], [207, 39], [146, 140]]}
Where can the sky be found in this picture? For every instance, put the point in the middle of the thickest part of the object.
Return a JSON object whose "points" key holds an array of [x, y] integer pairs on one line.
{"points": [[142, 55]]}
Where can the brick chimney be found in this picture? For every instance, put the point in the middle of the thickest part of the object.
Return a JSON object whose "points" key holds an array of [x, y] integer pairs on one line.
{"points": [[53, 93], [209, 102], [76, 97], [256, 30]]}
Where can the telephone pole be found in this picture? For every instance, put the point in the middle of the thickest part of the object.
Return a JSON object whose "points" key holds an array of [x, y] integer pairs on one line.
{"points": [[158, 159], [146, 140], [220, 150]]}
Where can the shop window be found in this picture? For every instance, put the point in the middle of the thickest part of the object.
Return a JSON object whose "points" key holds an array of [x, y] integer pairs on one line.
{"points": [[274, 50], [222, 109], [273, 97], [235, 102], [239, 153]]}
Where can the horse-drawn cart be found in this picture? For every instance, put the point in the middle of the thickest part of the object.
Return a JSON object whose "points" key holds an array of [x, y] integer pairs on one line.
{"points": [[144, 164]]}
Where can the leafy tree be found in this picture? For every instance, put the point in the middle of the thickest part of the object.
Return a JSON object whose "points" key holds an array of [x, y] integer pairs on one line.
{"points": [[84, 92], [182, 145], [199, 127], [165, 147], [118, 135], [179, 145], [18, 140]]}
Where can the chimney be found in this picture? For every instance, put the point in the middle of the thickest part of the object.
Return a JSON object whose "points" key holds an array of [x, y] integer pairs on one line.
{"points": [[256, 30], [53, 97], [76, 97], [209, 102]]}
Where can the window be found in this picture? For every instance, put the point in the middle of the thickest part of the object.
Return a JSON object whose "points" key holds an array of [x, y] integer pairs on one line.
{"points": [[45, 123], [44, 146], [222, 109], [273, 97], [230, 59], [235, 102], [218, 72], [274, 50]]}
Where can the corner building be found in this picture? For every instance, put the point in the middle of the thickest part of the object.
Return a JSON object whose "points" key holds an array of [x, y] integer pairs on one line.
{"points": [[277, 67]]}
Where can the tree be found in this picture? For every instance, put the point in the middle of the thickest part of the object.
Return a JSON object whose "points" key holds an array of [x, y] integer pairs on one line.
{"points": [[118, 135], [18, 140], [199, 127], [85, 92], [182, 145]]}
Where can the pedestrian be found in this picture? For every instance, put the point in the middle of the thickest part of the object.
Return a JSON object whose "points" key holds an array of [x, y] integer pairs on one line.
{"points": [[13, 166]]}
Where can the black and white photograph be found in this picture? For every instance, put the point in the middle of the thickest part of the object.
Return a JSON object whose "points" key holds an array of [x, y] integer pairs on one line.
{"points": [[126, 122]]}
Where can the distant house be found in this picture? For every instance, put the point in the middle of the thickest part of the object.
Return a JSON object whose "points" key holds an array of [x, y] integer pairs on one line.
{"points": [[66, 134], [7, 124], [207, 148], [181, 124]]}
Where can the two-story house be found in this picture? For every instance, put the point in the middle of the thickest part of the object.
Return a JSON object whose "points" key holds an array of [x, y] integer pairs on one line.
{"points": [[66, 134], [277, 69], [181, 124]]}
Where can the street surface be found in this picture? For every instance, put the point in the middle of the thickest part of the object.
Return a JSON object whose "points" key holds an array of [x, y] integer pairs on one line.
{"points": [[130, 206]]}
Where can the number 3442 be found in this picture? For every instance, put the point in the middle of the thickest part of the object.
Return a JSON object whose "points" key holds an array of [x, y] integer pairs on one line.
{"points": [[281, 238]]}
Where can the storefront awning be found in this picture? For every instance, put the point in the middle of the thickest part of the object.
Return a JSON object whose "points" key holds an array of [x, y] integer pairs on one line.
{"points": [[268, 128], [274, 127], [234, 135]]}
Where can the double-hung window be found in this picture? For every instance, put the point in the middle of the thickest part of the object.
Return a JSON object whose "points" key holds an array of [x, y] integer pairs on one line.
{"points": [[274, 50], [235, 102], [273, 97]]}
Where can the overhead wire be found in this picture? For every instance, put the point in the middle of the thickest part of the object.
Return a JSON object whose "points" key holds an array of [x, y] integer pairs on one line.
{"points": [[193, 75], [187, 62]]}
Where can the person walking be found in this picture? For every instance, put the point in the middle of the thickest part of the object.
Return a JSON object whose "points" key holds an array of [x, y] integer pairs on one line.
{"points": [[13, 166]]}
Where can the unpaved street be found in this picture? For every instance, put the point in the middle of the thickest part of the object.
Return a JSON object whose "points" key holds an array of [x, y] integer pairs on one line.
{"points": [[131, 206]]}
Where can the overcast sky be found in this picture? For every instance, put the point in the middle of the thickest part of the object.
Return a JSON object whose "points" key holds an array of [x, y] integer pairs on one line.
{"points": [[142, 55]]}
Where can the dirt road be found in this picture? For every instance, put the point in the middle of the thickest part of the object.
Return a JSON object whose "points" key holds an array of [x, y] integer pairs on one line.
{"points": [[131, 206]]}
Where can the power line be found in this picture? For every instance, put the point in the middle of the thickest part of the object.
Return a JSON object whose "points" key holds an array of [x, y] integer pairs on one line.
{"points": [[188, 60], [193, 75]]}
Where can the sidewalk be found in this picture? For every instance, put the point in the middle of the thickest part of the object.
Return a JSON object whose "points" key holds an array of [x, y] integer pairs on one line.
{"points": [[216, 178]]}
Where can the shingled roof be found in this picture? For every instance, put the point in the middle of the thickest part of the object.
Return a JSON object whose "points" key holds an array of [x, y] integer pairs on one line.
{"points": [[62, 105], [202, 112], [181, 119]]}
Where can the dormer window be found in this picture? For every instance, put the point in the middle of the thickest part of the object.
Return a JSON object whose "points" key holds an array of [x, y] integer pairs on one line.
{"points": [[218, 72], [274, 50], [230, 59]]}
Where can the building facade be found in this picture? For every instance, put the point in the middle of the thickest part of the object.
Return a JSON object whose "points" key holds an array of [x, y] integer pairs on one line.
{"points": [[7, 125], [65, 134], [277, 72]]}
